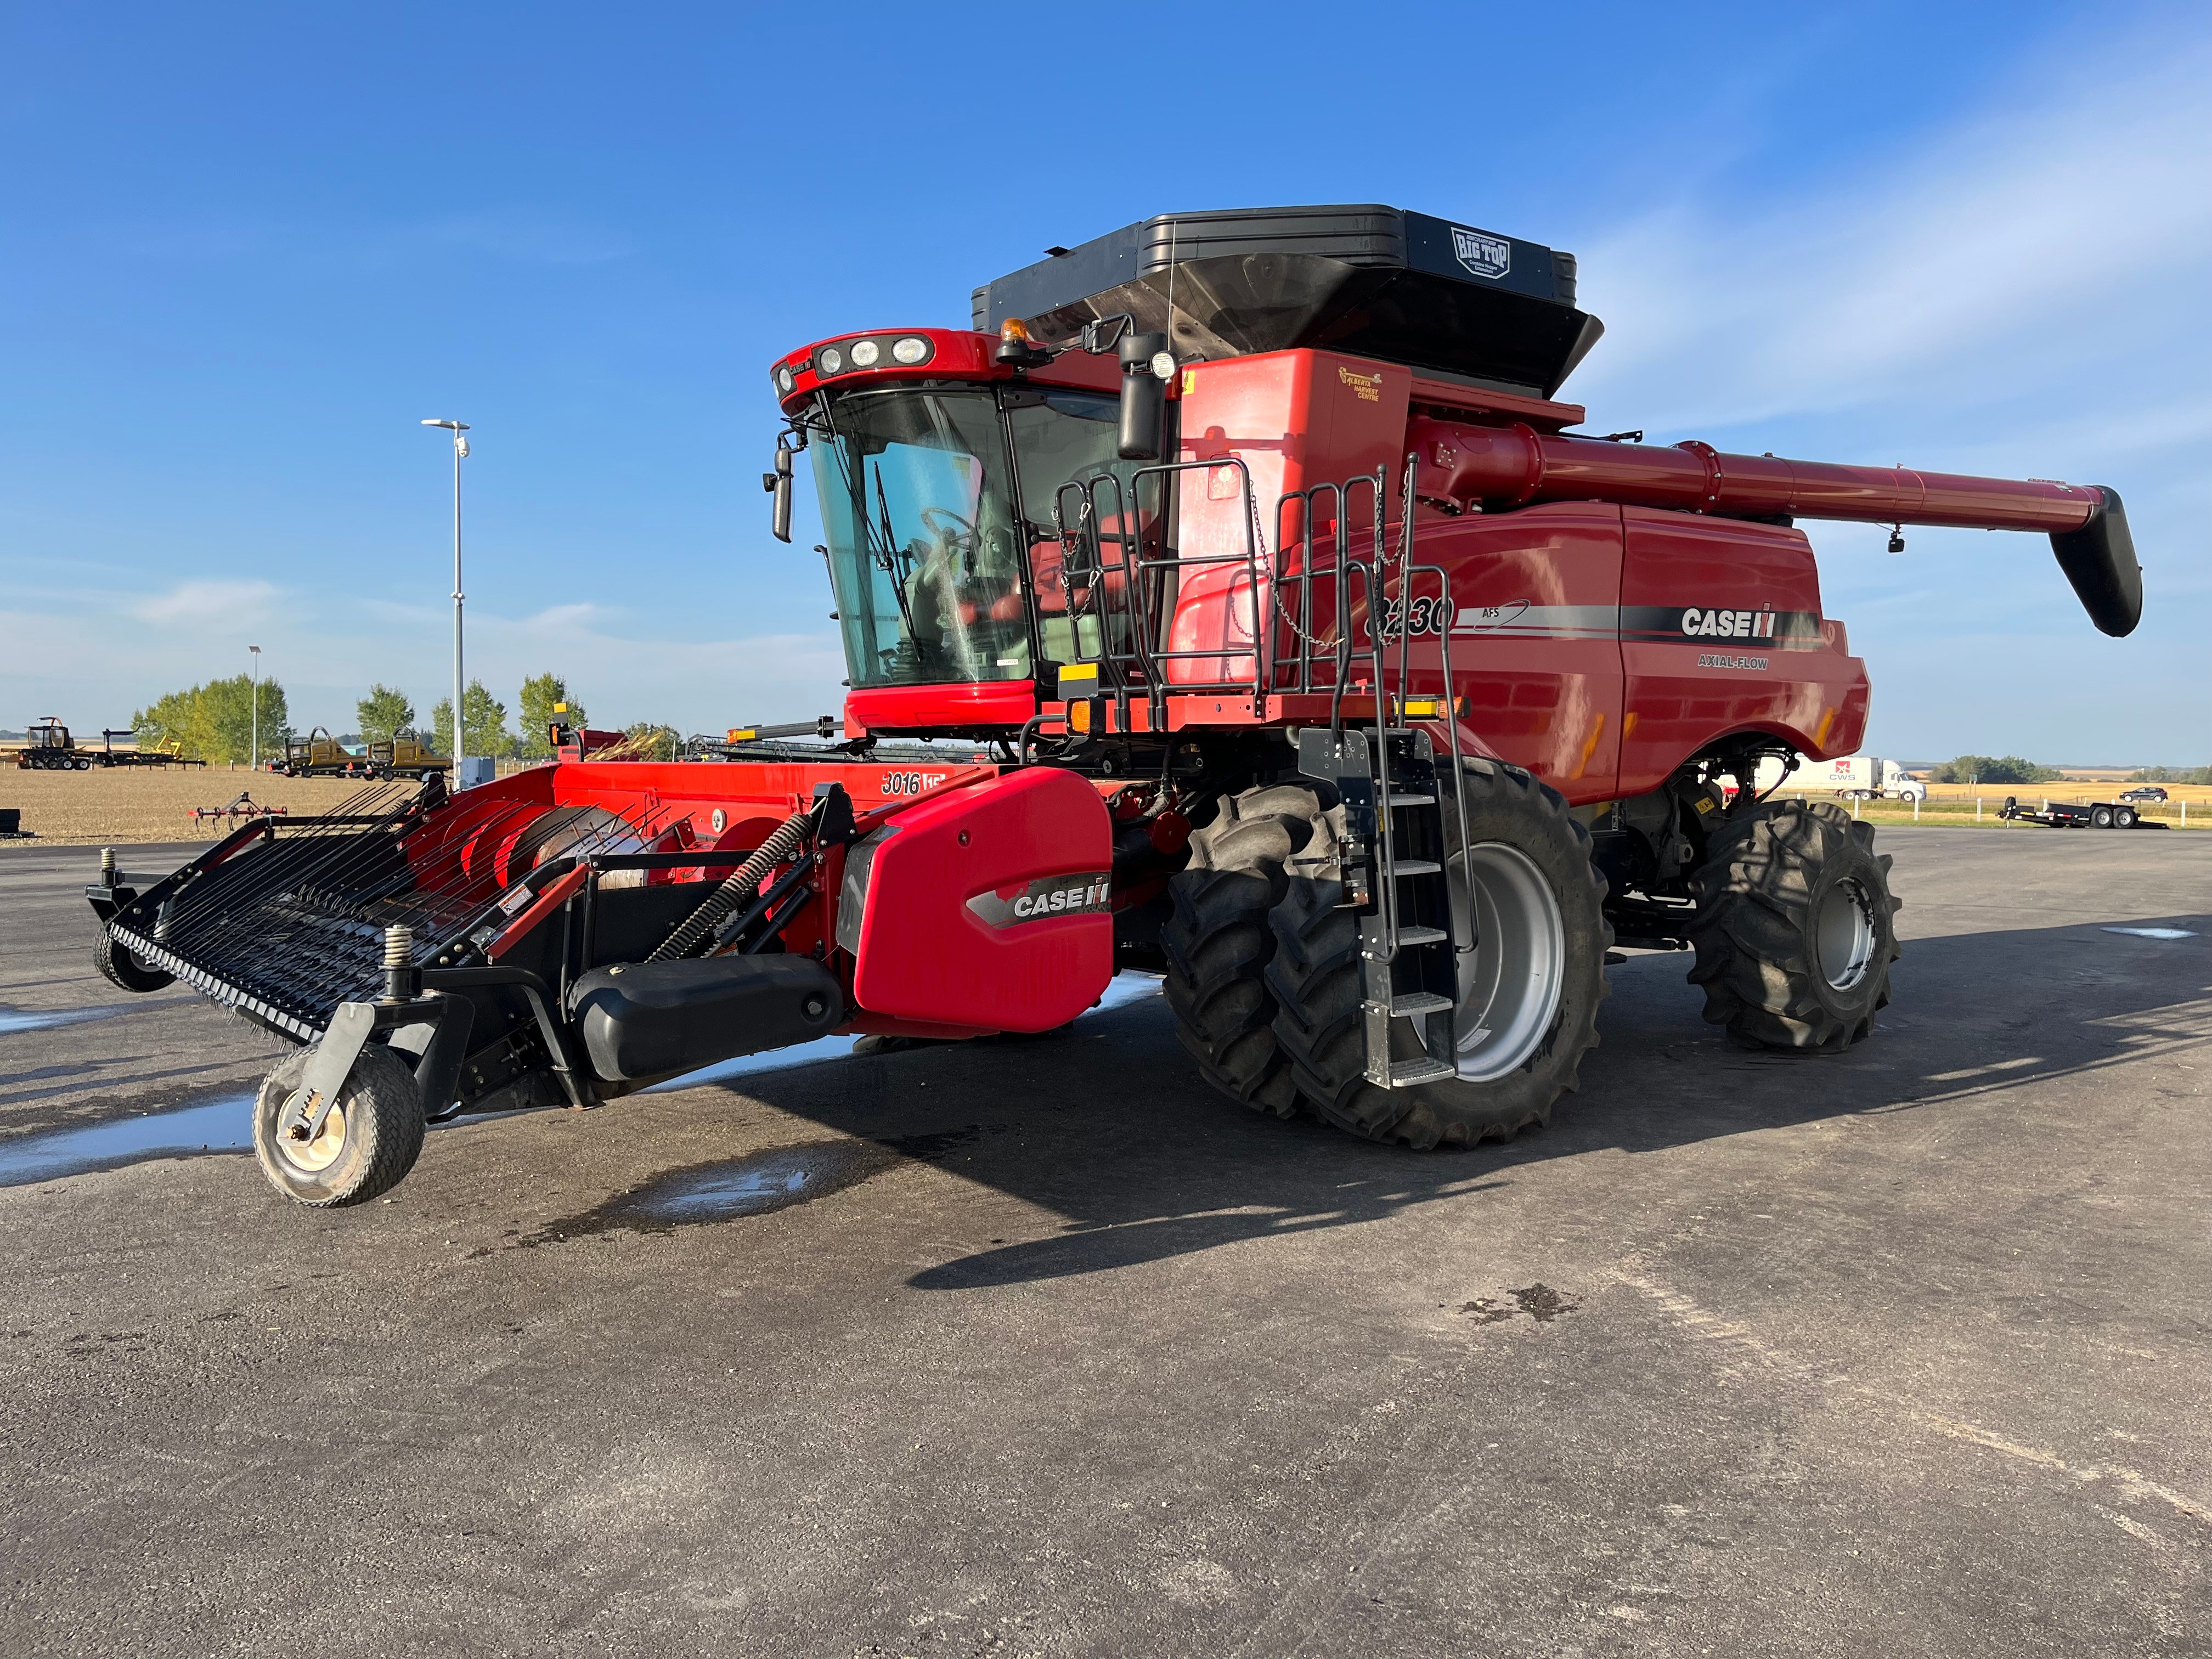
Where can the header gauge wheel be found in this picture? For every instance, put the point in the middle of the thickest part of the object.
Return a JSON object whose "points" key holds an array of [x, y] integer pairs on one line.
{"points": [[126, 972], [366, 1143]]}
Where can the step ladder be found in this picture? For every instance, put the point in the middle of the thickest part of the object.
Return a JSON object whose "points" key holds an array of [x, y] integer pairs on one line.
{"points": [[1392, 860]]}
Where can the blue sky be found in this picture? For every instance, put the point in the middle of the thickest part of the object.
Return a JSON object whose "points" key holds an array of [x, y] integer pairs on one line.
{"points": [[244, 250]]}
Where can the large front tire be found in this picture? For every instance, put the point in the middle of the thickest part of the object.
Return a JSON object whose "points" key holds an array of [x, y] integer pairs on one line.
{"points": [[368, 1142], [1795, 930], [1218, 942], [1527, 994]]}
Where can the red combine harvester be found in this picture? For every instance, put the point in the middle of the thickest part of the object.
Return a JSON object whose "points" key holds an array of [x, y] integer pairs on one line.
{"points": [[1323, 669]]}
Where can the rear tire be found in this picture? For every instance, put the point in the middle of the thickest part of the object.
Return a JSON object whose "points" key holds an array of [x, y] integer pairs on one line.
{"points": [[125, 971], [2123, 817], [370, 1141], [1218, 942], [1795, 928], [1542, 906]]}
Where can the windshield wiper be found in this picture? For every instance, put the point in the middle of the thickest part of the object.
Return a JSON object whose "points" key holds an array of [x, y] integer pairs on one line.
{"points": [[888, 556]]}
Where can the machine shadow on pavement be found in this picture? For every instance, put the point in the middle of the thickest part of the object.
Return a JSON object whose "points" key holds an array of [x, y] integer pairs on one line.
{"points": [[1164, 1167]]}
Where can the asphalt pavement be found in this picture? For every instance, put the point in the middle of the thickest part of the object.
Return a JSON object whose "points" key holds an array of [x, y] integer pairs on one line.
{"points": [[1042, 1347]]}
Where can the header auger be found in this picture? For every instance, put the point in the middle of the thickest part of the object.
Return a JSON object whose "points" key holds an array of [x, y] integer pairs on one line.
{"points": [[1321, 667]]}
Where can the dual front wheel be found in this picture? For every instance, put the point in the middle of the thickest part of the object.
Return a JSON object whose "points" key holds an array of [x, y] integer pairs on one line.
{"points": [[1265, 970], [1794, 934]]}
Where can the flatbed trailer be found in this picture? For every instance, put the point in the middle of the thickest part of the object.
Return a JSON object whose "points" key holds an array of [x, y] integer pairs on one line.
{"points": [[169, 754], [2078, 815]]}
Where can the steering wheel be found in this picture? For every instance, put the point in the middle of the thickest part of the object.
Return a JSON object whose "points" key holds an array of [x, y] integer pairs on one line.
{"points": [[955, 524]]}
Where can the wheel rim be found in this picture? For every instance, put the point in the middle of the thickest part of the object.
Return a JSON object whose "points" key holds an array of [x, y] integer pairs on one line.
{"points": [[315, 1155], [1510, 983], [1844, 937]]}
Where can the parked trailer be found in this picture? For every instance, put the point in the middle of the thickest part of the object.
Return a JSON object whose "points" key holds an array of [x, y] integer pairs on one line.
{"points": [[1322, 667], [2076, 815], [166, 755]]}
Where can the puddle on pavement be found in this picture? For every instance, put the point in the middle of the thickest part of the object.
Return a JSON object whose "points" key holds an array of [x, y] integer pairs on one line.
{"points": [[756, 1184], [216, 1125], [227, 1126], [1122, 990], [40, 1019], [2154, 932]]}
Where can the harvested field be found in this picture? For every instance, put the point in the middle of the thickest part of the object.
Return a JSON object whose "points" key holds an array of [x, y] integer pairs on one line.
{"points": [[101, 807]]}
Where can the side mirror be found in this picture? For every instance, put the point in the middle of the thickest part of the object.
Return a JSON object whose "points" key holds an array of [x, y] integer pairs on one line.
{"points": [[778, 485], [1144, 394]]}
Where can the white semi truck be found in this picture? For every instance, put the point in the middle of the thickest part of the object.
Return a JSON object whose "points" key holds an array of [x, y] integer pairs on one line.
{"points": [[1855, 777]]}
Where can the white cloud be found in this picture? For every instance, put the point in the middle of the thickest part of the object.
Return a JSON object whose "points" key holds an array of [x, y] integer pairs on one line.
{"points": [[193, 604], [2018, 293], [2003, 255]]}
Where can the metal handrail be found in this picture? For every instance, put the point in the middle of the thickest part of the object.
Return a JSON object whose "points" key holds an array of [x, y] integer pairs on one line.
{"points": [[1145, 577]]}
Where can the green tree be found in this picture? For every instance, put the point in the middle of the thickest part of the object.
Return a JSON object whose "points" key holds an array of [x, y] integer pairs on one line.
{"points": [[539, 693], [1994, 768], [646, 741], [215, 722], [383, 712], [485, 730]]}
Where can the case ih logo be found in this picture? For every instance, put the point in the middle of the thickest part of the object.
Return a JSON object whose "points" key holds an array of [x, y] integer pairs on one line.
{"points": [[1048, 896], [1483, 255], [1728, 624]]}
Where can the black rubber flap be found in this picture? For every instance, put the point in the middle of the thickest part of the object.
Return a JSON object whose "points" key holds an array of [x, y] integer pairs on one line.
{"points": [[654, 1019], [1368, 280], [2099, 560]]}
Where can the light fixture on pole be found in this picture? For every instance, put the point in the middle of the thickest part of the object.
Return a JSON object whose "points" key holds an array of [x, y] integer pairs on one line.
{"points": [[254, 764], [461, 454]]}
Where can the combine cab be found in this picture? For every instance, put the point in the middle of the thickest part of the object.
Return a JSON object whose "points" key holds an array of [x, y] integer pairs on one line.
{"points": [[1322, 667]]}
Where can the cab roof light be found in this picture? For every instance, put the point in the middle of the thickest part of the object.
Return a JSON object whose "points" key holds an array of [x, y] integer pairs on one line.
{"points": [[1016, 349]]}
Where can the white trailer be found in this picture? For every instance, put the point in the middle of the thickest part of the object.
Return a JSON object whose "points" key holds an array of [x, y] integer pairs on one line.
{"points": [[1854, 777]]}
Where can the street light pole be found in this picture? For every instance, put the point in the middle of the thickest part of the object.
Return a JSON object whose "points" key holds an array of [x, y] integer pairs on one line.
{"points": [[461, 454], [254, 764]]}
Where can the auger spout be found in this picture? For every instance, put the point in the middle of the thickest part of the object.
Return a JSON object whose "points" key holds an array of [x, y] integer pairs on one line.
{"points": [[1496, 468]]}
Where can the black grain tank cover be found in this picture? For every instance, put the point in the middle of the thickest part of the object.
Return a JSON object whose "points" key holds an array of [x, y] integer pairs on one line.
{"points": [[1374, 282]]}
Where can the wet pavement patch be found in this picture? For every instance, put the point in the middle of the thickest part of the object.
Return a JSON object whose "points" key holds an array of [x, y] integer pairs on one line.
{"points": [[217, 1125], [1540, 1302], [757, 1184], [40, 1019], [2154, 932], [1543, 1304]]}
